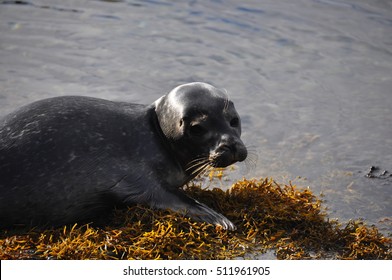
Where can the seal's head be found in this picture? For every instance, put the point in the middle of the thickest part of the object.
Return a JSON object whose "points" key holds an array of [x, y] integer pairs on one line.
{"points": [[202, 126]]}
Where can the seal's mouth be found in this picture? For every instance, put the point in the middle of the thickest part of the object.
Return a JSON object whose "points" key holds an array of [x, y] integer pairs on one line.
{"points": [[226, 155], [220, 157]]}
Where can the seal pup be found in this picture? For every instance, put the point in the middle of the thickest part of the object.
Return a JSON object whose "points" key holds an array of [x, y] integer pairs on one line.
{"points": [[73, 158]]}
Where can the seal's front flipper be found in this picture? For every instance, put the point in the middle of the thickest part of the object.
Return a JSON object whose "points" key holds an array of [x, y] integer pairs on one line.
{"points": [[180, 202], [203, 213], [161, 198]]}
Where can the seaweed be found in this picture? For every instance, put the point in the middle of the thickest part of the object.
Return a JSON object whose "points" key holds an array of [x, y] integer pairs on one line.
{"points": [[269, 216]]}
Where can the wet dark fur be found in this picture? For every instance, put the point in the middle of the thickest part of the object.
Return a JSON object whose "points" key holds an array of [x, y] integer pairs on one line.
{"points": [[73, 158]]}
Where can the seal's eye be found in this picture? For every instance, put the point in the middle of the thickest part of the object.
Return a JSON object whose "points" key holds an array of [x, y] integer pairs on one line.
{"points": [[197, 130], [235, 122]]}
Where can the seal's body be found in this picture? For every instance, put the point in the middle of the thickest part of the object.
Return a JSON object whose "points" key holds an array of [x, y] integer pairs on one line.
{"points": [[72, 158]]}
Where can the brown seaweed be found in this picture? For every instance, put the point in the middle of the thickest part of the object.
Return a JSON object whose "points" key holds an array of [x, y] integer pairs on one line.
{"points": [[268, 216]]}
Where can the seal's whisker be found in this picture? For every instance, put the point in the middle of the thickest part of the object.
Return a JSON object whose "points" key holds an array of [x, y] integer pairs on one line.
{"points": [[251, 160], [197, 159], [207, 168], [196, 163], [226, 104], [203, 169], [226, 101], [200, 169]]}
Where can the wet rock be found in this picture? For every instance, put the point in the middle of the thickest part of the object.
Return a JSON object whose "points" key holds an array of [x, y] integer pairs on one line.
{"points": [[376, 172]]}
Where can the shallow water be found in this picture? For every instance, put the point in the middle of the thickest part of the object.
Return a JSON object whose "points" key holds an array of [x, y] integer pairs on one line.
{"points": [[312, 79]]}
